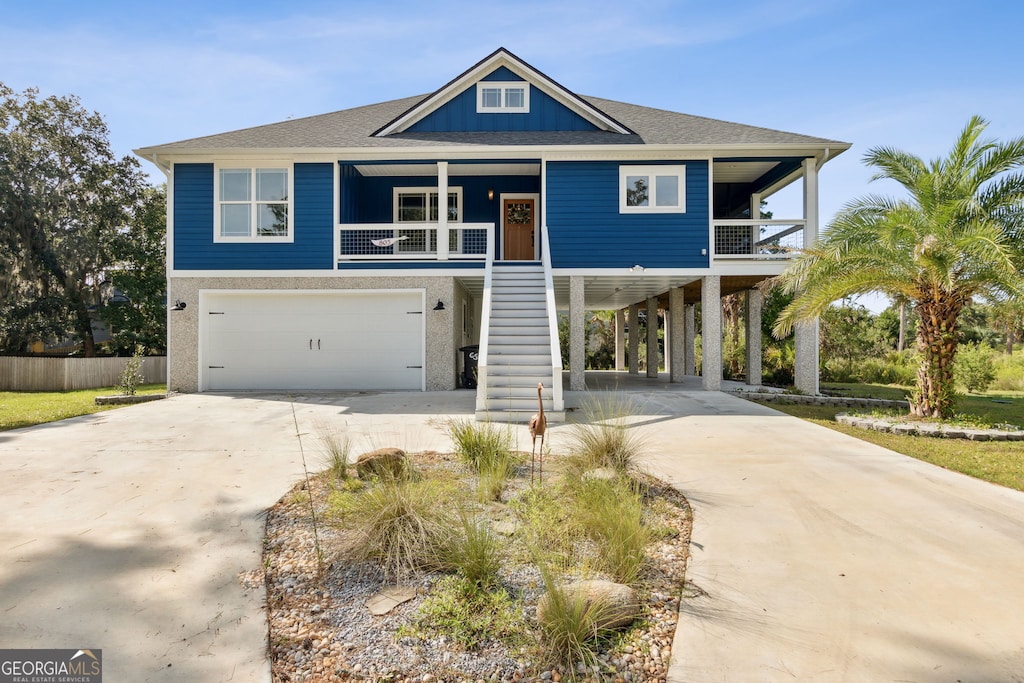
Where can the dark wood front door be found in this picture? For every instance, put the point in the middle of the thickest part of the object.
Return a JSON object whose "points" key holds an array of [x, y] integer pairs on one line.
{"points": [[519, 221]]}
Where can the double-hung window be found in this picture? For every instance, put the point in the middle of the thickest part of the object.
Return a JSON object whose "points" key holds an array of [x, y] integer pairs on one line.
{"points": [[652, 189], [420, 205], [253, 204], [494, 97]]}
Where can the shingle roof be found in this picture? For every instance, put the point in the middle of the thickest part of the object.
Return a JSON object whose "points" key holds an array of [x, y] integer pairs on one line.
{"points": [[353, 128]]}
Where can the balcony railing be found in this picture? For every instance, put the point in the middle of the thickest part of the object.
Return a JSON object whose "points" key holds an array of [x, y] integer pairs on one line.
{"points": [[396, 241], [745, 239]]}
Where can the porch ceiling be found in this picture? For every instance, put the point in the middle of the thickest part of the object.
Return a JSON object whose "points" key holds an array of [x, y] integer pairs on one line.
{"points": [[741, 171], [611, 292], [430, 170]]}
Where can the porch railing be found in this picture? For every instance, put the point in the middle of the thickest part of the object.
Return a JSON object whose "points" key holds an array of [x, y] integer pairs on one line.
{"points": [[758, 239], [398, 241]]}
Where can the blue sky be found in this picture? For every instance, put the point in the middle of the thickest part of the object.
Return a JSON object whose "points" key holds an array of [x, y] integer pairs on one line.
{"points": [[901, 73]]}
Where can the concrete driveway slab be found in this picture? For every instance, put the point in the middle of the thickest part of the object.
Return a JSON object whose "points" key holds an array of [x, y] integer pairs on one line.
{"points": [[128, 530]]}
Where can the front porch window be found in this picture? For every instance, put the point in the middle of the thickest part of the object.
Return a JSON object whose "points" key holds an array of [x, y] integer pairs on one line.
{"points": [[420, 205]]}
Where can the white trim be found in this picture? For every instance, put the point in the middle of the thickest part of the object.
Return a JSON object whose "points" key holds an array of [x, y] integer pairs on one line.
{"points": [[337, 211], [711, 214], [679, 172], [536, 220], [502, 87], [340, 273], [203, 305], [253, 166]]}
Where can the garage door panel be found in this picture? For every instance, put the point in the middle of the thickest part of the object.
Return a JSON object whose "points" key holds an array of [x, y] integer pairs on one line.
{"points": [[310, 340]]}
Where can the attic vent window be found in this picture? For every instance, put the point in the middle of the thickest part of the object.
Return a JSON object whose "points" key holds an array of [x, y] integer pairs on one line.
{"points": [[494, 97]]}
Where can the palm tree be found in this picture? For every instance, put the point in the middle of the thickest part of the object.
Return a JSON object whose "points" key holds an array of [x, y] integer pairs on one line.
{"points": [[959, 235]]}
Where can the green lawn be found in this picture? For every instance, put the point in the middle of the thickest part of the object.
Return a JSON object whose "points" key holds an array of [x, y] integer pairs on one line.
{"points": [[27, 408], [1000, 462]]}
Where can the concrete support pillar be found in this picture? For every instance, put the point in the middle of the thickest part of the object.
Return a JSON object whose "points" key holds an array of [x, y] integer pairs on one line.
{"points": [[805, 335], [675, 331], [753, 337], [652, 337], [577, 335], [711, 332], [666, 344], [690, 350], [634, 339], [620, 339]]}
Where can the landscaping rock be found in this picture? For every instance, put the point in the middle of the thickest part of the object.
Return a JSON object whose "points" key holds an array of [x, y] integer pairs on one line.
{"points": [[601, 473], [622, 606], [382, 462]]}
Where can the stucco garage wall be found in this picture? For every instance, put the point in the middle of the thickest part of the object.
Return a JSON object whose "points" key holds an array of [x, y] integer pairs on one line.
{"points": [[183, 326]]}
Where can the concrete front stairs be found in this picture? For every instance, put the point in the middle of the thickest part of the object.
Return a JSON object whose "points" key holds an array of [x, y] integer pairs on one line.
{"points": [[516, 346]]}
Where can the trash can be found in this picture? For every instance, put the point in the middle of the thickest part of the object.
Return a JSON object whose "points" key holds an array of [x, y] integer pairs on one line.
{"points": [[470, 357]]}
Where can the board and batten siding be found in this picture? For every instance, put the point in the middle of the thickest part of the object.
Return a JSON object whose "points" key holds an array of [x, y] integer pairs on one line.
{"points": [[313, 208], [459, 114], [586, 230]]}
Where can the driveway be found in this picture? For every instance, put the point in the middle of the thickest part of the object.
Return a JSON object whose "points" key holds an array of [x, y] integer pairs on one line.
{"points": [[815, 556]]}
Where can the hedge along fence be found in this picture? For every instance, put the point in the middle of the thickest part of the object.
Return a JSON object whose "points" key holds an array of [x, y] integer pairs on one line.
{"points": [[18, 373]]}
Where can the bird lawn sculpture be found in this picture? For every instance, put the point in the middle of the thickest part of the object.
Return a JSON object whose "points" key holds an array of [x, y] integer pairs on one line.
{"points": [[538, 425]]}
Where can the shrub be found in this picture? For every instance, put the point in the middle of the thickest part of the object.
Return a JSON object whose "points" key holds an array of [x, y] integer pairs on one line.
{"points": [[974, 368], [1009, 373], [131, 376], [604, 438], [470, 617], [403, 524], [895, 368], [611, 514]]}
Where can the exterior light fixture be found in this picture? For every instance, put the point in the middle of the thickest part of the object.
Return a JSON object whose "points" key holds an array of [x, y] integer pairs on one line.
{"points": [[179, 305], [439, 306], [490, 194]]}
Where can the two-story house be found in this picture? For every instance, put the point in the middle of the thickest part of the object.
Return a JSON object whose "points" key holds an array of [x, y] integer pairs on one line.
{"points": [[359, 250]]}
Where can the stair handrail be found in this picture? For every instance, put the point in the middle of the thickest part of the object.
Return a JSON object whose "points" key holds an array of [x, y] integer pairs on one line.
{"points": [[485, 326], [557, 401]]}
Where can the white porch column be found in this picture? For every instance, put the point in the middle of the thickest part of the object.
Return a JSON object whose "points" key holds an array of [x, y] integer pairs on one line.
{"points": [[577, 336], [711, 332], [652, 337], [634, 339], [666, 344], [753, 337], [442, 211], [806, 334], [676, 333], [755, 214], [620, 339], [690, 350]]}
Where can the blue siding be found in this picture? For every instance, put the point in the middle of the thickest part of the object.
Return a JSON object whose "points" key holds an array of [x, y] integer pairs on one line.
{"points": [[502, 73], [586, 230], [459, 115], [313, 205]]}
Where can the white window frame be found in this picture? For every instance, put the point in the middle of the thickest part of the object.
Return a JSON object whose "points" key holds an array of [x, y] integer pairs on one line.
{"points": [[253, 236], [455, 235], [427, 191], [504, 87], [679, 172]]}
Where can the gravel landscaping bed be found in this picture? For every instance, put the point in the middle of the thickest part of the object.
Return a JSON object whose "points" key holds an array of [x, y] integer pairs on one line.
{"points": [[320, 628]]}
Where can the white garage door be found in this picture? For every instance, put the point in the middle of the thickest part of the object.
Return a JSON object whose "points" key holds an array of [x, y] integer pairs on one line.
{"points": [[312, 340]]}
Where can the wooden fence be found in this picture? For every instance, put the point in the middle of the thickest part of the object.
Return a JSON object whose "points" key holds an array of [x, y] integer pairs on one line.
{"points": [[66, 374]]}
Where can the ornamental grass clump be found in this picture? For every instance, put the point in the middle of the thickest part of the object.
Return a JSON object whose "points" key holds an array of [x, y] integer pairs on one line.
{"points": [[604, 438], [570, 627], [335, 448], [476, 553], [403, 524], [611, 513], [487, 449]]}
